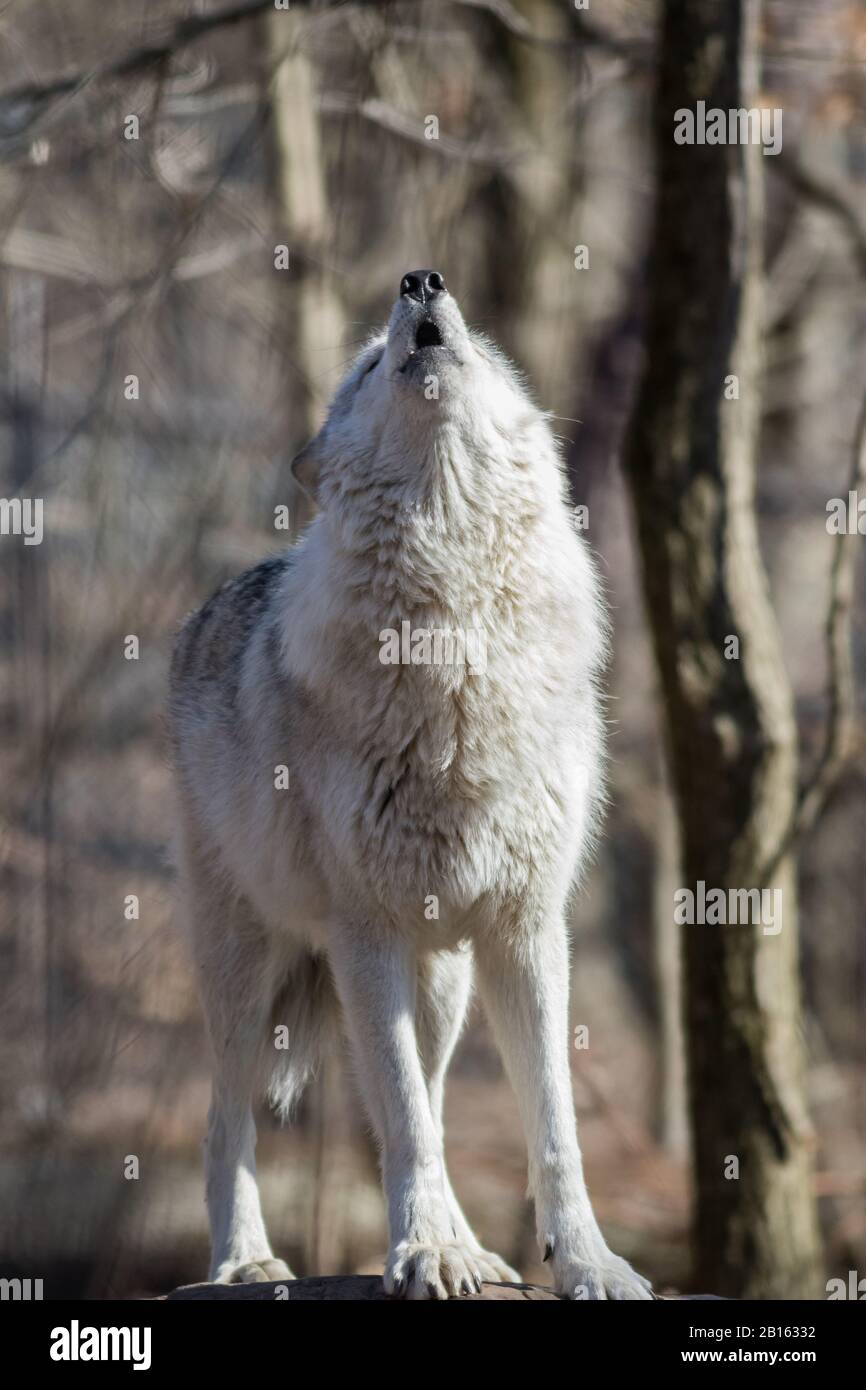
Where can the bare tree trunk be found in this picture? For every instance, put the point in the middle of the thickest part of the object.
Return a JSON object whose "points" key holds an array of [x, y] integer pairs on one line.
{"points": [[542, 328], [314, 311], [690, 462]]}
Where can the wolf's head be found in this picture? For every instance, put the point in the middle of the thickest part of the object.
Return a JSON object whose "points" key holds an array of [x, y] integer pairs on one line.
{"points": [[427, 393]]}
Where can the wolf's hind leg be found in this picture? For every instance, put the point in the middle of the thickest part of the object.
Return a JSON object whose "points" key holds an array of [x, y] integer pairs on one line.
{"points": [[444, 989], [237, 971], [241, 1252]]}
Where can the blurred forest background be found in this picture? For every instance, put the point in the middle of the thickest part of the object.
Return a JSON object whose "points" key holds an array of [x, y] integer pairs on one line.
{"points": [[154, 257]]}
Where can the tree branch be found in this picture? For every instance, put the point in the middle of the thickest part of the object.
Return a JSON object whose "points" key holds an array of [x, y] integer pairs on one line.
{"points": [[840, 722], [21, 106], [829, 197]]}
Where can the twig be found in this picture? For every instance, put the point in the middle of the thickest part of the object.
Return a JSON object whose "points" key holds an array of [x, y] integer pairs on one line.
{"points": [[21, 106], [840, 719], [408, 127], [832, 199], [841, 722]]}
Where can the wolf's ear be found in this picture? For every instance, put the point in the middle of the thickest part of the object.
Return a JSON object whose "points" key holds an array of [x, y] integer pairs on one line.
{"points": [[305, 468]]}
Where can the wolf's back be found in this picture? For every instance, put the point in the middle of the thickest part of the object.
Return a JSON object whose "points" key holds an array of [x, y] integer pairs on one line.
{"points": [[208, 651]]}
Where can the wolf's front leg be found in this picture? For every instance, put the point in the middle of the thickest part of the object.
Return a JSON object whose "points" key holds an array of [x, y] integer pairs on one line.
{"points": [[375, 975], [444, 989], [524, 986]]}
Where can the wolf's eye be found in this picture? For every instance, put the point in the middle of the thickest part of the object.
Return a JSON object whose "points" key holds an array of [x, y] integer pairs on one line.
{"points": [[368, 370]]}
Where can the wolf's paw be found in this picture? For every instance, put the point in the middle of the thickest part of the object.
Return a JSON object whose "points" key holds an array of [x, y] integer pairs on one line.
{"points": [[493, 1268], [597, 1274], [254, 1272], [434, 1271]]}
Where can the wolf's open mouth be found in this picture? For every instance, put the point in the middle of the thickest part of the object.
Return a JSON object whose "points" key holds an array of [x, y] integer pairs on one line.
{"points": [[428, 335]]}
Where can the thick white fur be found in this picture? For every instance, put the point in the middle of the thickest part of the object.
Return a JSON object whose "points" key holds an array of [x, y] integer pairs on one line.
{"points": [[481, 789]]}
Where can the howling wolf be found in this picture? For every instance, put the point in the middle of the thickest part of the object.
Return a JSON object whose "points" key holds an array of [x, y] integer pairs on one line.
{"points": [[365, 824]]}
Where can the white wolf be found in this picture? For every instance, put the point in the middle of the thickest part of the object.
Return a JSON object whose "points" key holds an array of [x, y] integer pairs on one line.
{"points": [[357, 834]]}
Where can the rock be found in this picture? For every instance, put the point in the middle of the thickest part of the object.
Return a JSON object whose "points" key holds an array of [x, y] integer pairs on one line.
{"points": [[341, 1288]]}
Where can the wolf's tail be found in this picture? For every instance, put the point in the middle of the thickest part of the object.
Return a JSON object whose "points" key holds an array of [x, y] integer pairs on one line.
{"points": [[306, 1006]]}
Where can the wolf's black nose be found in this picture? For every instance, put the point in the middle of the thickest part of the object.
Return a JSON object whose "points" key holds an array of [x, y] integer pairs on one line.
{"points": [[423, 285]]}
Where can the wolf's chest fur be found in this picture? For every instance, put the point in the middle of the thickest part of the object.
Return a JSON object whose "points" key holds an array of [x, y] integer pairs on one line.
{"points": [[462, 793], [454, 766]]}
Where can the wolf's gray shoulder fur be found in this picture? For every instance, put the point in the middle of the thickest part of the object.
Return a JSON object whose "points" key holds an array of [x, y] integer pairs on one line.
{"points": [[209, 649]]}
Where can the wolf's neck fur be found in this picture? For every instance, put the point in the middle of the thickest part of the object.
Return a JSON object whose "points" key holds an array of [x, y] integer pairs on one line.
{"points": [[450, 533]]}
